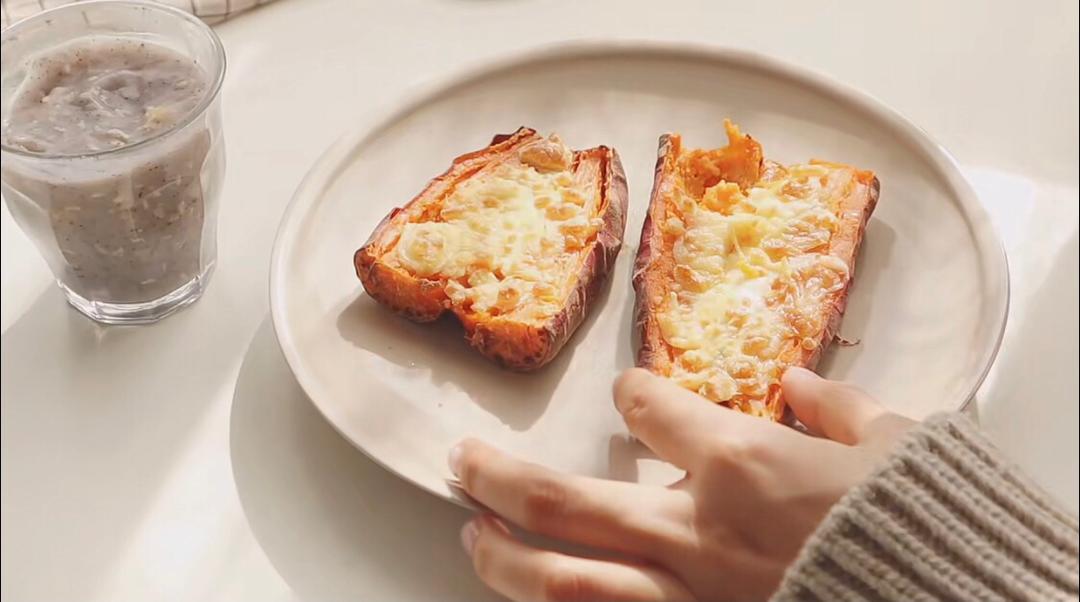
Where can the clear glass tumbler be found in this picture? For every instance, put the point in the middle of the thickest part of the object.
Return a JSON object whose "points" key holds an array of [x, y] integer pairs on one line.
{"points": [[129, 231]]}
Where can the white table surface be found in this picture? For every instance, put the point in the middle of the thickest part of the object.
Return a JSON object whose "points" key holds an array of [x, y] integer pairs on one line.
{"points": [[182, 462]]}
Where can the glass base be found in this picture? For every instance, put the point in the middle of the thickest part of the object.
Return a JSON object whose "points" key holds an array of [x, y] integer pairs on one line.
{"points": [[146, 312]]}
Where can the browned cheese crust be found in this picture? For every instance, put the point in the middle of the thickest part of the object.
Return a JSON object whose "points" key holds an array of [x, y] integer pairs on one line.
{"points": [[513, 344], [654, 264]]}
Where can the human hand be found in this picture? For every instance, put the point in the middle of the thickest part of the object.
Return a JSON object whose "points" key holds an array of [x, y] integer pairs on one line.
{"points": [[753, 492]]}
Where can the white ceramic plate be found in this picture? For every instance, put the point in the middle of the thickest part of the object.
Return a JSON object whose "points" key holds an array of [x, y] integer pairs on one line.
{"points": [[928, 304]]}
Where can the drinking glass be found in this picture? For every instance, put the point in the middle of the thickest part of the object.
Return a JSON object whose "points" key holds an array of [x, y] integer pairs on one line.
{"points": [[128, 232]]}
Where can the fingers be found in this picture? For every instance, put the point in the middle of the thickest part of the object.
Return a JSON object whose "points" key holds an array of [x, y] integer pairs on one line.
{"points": [[618, 516], [524, 573], [835, 410], [677, 424]]}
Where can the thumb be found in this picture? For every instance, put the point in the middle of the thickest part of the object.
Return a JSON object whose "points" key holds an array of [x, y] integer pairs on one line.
{"points": [[836, 410]]}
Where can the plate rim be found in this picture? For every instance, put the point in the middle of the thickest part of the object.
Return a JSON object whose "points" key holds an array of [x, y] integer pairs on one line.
{"points": [[329, 164]]}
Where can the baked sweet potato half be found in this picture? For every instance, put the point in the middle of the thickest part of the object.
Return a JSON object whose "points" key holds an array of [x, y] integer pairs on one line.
{"points": [[744, 267], [515, 239]]}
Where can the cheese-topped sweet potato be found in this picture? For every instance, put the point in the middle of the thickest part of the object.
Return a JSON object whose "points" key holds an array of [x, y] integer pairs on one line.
{"points": [[515, 240], [744, 267]]}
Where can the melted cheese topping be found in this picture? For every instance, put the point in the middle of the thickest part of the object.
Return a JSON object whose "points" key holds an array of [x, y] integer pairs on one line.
{"points": [[506, 241], [752, 274]]}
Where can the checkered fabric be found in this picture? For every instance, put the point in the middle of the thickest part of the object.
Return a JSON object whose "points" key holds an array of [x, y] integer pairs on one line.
{"points": [[211, 11]]}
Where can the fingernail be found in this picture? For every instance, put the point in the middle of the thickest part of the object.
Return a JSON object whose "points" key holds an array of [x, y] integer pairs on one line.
{"points": [[469, 533], [798, 372], [454, 459]]}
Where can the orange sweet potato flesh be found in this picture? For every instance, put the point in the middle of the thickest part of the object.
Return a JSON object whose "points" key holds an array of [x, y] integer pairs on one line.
{"points": [[514, 344], [679, 170]]}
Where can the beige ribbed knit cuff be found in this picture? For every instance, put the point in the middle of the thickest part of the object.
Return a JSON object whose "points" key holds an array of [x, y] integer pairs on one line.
{"points": [[945, 518]]}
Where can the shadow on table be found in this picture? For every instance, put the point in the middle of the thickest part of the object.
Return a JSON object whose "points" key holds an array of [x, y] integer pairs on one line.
{"points": [[1030, 408], [93, 421], [333, 523]]}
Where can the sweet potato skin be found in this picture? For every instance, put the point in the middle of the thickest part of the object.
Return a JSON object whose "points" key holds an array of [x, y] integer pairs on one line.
{"points": [[653, 269], [514, 345], [651, 266], [845, 245], [419, 299]]}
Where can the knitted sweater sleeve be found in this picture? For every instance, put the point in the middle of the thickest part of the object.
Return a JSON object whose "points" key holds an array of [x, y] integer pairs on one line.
{"points": [[944, 518]]}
